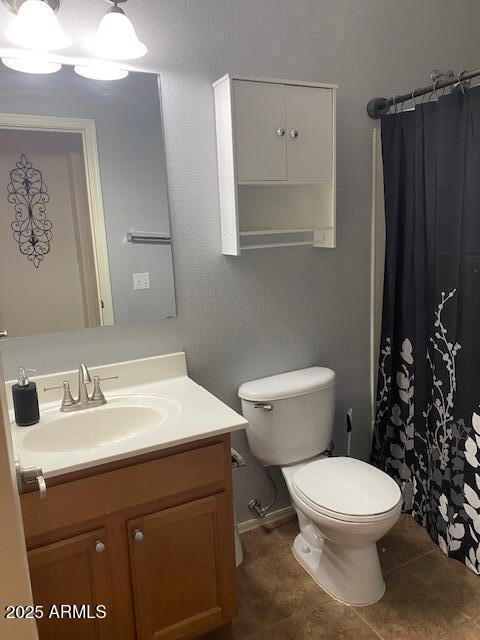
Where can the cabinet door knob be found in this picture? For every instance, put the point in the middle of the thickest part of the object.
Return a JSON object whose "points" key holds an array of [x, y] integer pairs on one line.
{"points": [[280, 132], [138, 535], [294, 133], [99, 546], [3, 333]]}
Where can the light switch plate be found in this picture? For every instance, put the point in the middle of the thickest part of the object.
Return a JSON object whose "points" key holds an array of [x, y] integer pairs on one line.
{"points": [[141, 281]]}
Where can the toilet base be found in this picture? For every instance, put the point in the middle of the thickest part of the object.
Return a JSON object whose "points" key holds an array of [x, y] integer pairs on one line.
{"points": [[351, 575]]}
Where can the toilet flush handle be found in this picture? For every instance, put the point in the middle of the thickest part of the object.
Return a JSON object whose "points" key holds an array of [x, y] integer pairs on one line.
{"points": [[263, 405]]}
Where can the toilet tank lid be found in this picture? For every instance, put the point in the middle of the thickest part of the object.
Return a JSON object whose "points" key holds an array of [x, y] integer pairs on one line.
{"points": [[287, 385]]}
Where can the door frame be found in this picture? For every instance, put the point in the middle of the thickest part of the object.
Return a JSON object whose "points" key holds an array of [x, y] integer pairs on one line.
{"points": [[88, 131], [14, 573]]}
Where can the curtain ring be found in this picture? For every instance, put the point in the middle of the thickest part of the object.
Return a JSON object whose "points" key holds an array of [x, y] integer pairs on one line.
{"points": [[460, 81], [393, 107], [396, 105], [448, 76], [433, 94], [413, 98], [435, 77]]}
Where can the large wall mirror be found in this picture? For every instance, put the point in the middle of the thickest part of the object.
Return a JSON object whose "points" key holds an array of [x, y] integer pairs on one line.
{"points": [[85, 233]]}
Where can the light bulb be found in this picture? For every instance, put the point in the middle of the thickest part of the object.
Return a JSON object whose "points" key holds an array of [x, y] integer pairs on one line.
{"points": [[116, 38], [100, 71], [36, 27], [32, 64]]}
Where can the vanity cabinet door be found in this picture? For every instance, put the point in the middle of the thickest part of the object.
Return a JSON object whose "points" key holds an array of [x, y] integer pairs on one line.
{"points": [[183, 570], [74, 571]]}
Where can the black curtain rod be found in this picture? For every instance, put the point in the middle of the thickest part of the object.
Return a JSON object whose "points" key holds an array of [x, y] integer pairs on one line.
{"points": [[378, 107]]}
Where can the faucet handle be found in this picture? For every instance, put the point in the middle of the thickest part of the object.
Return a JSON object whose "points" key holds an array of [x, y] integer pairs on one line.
{"points": [[97, 395], [67, 400]]}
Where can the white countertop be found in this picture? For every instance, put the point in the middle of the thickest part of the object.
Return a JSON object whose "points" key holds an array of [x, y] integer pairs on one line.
{"points": [[201, 414]]}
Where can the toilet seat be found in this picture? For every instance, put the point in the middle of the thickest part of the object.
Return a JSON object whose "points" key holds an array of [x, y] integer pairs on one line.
{"points": [[346, 489]]}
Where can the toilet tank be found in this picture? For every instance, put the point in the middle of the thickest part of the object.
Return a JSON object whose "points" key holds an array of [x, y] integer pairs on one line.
{"points": [[290, 415]]}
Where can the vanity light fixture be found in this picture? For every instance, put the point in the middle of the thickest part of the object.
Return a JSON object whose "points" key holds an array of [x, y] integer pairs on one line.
{"points": [[100, 71], [36, 25], [32, 64], [116, 38]]}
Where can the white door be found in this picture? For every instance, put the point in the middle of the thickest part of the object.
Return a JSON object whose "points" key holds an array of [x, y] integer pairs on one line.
{"points": [[309, 119], [14, 575], [50, 285], [260, 136]]}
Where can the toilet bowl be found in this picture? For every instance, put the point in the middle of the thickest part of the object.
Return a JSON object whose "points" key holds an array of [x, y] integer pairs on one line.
{"points": [[344, 506]]}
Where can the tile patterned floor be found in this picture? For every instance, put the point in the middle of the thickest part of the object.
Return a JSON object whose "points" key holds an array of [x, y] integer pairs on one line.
{"points": [[429, 597]]}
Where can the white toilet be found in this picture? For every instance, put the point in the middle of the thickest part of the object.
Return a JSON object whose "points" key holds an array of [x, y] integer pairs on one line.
{"points": [[344, 506]]}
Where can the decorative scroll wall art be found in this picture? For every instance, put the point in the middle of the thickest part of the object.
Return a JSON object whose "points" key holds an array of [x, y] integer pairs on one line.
{"points": [[31, 228]]}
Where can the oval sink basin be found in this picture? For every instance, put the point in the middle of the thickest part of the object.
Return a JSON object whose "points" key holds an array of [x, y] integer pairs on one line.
{"points": [[121, 418]]}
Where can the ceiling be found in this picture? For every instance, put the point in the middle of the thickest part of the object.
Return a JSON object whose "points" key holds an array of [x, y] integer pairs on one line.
{"points": [[80, 18]]}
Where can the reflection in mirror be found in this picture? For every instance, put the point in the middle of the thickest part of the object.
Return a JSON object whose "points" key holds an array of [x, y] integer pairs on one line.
{"points": [[85, 233]]}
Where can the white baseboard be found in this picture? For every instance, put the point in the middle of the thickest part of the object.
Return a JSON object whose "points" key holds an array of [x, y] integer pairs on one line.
{"points": [[272, 517]]}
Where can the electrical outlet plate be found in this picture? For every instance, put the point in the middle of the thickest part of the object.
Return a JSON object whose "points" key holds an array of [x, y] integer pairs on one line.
{"points": [[141, 281]]}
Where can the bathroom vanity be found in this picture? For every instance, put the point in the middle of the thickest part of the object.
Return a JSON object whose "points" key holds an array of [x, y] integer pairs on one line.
{"points": [[142, 523]]}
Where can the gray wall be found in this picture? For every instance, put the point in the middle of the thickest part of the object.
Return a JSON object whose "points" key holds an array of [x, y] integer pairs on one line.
{"points": [[279, 309], [128, 120]]}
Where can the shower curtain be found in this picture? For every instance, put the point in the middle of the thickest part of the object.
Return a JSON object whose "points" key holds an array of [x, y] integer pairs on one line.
{"points": [[427, 431]]}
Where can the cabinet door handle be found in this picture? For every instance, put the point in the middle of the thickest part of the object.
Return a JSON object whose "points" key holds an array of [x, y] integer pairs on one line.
{"points": [[3, 333], [99, 546], [138, 535], [280, 132], [294, 133]]}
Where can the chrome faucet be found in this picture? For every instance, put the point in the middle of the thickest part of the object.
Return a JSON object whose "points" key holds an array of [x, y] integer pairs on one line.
{"points": [[84, 378], [84, 401]]}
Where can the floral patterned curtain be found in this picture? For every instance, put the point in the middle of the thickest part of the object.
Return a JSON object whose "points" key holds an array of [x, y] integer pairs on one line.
{"points": [[427, 433]]}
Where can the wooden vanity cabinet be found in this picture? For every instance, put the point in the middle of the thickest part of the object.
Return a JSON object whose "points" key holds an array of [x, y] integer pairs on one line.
{"points": [[151, 538], [72, 571]]}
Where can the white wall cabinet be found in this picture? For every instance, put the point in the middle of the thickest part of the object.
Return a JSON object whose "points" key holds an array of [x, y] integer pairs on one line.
{"points": [[276, 163]]}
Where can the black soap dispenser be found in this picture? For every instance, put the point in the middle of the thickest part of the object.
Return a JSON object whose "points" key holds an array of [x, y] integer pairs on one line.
{"points": [[25, 400]]}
